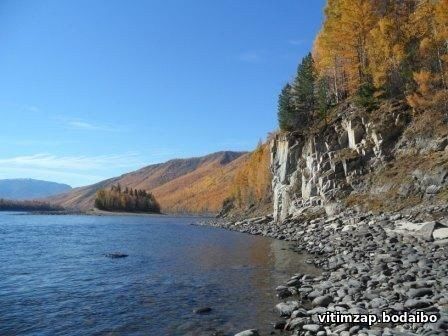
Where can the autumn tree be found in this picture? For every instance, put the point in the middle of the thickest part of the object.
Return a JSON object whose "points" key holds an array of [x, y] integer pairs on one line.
{"points": [[327, 54], [429, 28], [341, 46], [252, 183], [389, 48], [117, 199]]}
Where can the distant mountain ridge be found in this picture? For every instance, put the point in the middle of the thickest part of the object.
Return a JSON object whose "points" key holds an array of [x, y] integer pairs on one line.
{"points": [[28, 189], [192, 185]]}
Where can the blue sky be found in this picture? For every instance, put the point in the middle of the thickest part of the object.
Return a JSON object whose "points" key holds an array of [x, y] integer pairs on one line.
{"points": [[91, 89]]}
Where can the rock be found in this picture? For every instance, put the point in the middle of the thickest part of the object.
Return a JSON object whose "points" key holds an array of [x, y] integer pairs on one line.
{"points": [[283, 292], [432, 189], [250, 332], [419, 292], [426, 231], [279, 325], [441, 233], [116, 255], [342, 327], [312, 327], [296, 323], [286, 308], [417, 304], [203, 310], [378, 303], [322, 301], [442, 242]]}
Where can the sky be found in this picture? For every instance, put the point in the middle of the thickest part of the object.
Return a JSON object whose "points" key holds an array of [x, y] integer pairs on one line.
{"points": [[91, 89]]}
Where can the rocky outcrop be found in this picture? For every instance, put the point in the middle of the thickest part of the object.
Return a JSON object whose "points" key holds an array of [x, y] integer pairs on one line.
{"points": [[321, 168]]}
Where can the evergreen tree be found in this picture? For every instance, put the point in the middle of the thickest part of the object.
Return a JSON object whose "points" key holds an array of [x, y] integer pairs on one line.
{"points": [[286, 115], [322, 96], [303, 89]]}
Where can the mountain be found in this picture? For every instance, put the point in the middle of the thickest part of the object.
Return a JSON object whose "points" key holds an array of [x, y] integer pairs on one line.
{"points": [[193, 185], [21, 189]]}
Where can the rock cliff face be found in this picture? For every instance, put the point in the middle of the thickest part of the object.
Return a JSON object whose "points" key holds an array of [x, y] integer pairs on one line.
{"points": [[321, 168]]}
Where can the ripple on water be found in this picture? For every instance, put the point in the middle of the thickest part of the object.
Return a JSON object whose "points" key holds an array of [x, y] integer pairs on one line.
{"points": [[56, 280]]}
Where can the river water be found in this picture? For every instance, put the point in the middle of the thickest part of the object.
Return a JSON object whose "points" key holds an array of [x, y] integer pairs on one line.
{"points": [[56, 280]]}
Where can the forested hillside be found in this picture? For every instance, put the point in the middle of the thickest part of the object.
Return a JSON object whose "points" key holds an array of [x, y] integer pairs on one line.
{"points": [[194, 185], [370, 51], [251, 192]]}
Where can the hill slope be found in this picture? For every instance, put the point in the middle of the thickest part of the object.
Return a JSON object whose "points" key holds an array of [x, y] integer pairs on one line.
{"points": [[194, 185], [21, 189]]}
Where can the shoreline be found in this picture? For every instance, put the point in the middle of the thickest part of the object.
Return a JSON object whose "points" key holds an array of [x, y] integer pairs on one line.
{"points": [[112, 213], [371, 264]]}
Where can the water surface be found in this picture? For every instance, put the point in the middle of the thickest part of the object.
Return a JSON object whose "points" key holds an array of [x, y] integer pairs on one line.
{"points": [[55, 279]]}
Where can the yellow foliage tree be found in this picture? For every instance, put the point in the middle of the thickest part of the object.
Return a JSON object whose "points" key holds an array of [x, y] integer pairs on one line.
{"points": [[341, 47], [429, 26], [387, 48], [252, 183]]}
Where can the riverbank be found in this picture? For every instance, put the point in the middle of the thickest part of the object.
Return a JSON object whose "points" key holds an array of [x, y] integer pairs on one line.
{"points": [[96, 212], [371, 264]]}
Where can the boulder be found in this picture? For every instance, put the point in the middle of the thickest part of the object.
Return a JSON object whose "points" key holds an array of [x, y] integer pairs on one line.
{"points": [[116, 255], [286, 308], [427, 230], [203, 310], [440, 233], [322, 301]]}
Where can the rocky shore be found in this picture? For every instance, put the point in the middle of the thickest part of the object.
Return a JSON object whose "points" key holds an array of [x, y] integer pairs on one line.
{"points": [[371, 264]]}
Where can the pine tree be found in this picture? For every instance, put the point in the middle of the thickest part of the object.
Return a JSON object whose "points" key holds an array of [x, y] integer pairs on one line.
{"points": [[304, 86], [286, 113]]}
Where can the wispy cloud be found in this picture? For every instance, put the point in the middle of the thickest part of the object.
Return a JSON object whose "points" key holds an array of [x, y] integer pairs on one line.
{"points": [[250, 57], [48, 161], [75, 170], [87, 126]]}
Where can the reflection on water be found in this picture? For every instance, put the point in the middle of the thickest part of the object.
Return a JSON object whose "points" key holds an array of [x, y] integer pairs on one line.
{"points": [[56, 280]]}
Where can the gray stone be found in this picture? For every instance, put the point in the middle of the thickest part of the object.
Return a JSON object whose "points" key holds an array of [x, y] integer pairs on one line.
{"points": [[432, 189], [279, 325], [419, 292], [296, 323], [203, 310], [441, 233], [250, 332], [427, 230], [312, 327], [286, 308], [322, 301], [442, 242], [417, 304]]}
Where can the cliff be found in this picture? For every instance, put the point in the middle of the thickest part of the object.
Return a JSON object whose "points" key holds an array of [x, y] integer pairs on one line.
{"points": [[387, 159]]}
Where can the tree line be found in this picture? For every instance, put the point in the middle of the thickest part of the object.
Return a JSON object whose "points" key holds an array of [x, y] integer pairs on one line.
{"points": [[129, 200], [370, 50], [15, 205]]}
